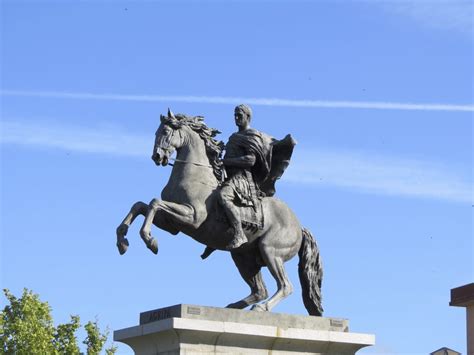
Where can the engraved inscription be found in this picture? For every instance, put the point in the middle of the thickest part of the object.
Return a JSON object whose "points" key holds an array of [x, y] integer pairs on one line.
{"points": [[336, 323], [194, 310], [159, 314]]}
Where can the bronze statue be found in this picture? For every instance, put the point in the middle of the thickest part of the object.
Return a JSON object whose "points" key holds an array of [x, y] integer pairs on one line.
{"points": [[202, 203]]}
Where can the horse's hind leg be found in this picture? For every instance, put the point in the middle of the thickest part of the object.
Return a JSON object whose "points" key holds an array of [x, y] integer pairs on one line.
{"points": [[277, 269], [138, 208], [250, 272]]}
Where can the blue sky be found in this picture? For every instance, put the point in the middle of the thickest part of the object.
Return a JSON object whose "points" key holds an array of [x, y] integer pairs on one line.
{"points": [[379, 95]]}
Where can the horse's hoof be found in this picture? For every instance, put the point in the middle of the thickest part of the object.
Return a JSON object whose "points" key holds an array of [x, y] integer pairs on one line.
{"points": [[259, 308], [122, 231], [152, 244], [122, 246], [237, 305]]}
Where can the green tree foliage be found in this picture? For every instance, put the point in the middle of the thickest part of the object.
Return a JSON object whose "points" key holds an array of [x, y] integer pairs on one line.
{"points": [[95, 340], [26, 328], [26, 325], [65, 340]]}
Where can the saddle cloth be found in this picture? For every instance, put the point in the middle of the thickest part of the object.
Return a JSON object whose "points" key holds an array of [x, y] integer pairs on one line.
{"points": [[252, 218]]}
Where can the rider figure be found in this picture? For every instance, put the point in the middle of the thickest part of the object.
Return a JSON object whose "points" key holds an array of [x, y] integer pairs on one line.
{"points": [[248, 155]]}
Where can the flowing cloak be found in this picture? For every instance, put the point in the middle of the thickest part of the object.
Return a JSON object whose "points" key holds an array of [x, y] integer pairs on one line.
{"points": [[282, 151], [272, 156]]}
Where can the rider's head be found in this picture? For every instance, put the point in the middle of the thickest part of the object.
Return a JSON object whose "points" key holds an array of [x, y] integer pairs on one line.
{"points": [[245, 109], [242, 115]]}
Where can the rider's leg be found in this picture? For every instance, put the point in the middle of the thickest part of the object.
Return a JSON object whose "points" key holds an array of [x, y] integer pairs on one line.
{"points": [[226, 199]]}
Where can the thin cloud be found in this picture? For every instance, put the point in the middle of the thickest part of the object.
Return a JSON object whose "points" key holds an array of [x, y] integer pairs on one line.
{"points": [[355, 171], [248, 100], [452, 15], [380, 175], [105, 140]]}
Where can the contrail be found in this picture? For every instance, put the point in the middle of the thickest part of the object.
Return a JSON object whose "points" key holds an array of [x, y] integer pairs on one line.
{"points": [[357, 171], [248, 100]]}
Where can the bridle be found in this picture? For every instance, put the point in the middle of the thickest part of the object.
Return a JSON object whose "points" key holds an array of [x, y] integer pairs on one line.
{"points": [[167, 140]]}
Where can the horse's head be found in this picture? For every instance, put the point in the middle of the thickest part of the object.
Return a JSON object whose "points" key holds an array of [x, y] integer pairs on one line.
{"points": [[167, 139], [178, 131]]}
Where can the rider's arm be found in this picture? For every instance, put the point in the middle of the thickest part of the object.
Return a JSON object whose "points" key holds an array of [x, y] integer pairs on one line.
{"points": [[245, 161]]}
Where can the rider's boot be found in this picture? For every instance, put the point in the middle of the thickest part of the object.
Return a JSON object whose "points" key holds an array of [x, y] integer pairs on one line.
{"points": [[233, 216], [239, 236]]}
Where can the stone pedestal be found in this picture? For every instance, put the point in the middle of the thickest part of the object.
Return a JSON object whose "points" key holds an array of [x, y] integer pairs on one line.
{"points": [[464, 297], [189, 329]]}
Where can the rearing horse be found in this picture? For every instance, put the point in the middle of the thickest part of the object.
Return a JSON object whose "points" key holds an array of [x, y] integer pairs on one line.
{"points": [[188, 203]]}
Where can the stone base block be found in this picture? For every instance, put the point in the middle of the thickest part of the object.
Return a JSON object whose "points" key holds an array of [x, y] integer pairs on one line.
{"points": [[189, 329]]}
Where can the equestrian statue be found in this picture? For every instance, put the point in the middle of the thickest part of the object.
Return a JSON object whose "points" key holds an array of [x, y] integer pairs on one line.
{"points": [[228, 204]]}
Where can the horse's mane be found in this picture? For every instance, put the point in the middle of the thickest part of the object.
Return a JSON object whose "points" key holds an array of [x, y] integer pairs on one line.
{"points": [[214, 147]]}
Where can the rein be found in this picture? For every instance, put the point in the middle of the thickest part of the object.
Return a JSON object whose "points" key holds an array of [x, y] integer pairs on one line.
{"points": [[188, 162]]}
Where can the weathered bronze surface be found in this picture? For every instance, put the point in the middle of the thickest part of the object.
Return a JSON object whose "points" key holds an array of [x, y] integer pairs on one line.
{"points": [[228, 204]]}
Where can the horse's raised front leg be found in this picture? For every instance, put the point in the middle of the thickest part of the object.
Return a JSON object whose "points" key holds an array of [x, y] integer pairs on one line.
{"points": [[175, 213], [250, 272], [138, 208]]}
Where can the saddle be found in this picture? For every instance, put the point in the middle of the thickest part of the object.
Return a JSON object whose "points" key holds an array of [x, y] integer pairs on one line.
{"points": [[250, 216]]}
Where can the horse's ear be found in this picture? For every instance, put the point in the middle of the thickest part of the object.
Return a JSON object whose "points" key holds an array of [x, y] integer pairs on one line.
{"points": [[170, 114], [162, 119]]}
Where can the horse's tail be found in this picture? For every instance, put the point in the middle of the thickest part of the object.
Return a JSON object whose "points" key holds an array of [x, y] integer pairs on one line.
{"points": [[310, 270]]}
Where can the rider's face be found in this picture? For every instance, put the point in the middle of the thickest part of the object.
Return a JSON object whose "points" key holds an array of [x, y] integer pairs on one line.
{"points": [[241, 118]]}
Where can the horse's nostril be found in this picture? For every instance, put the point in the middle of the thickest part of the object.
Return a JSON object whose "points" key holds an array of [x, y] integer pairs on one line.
{"points": [[156, 158]]}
